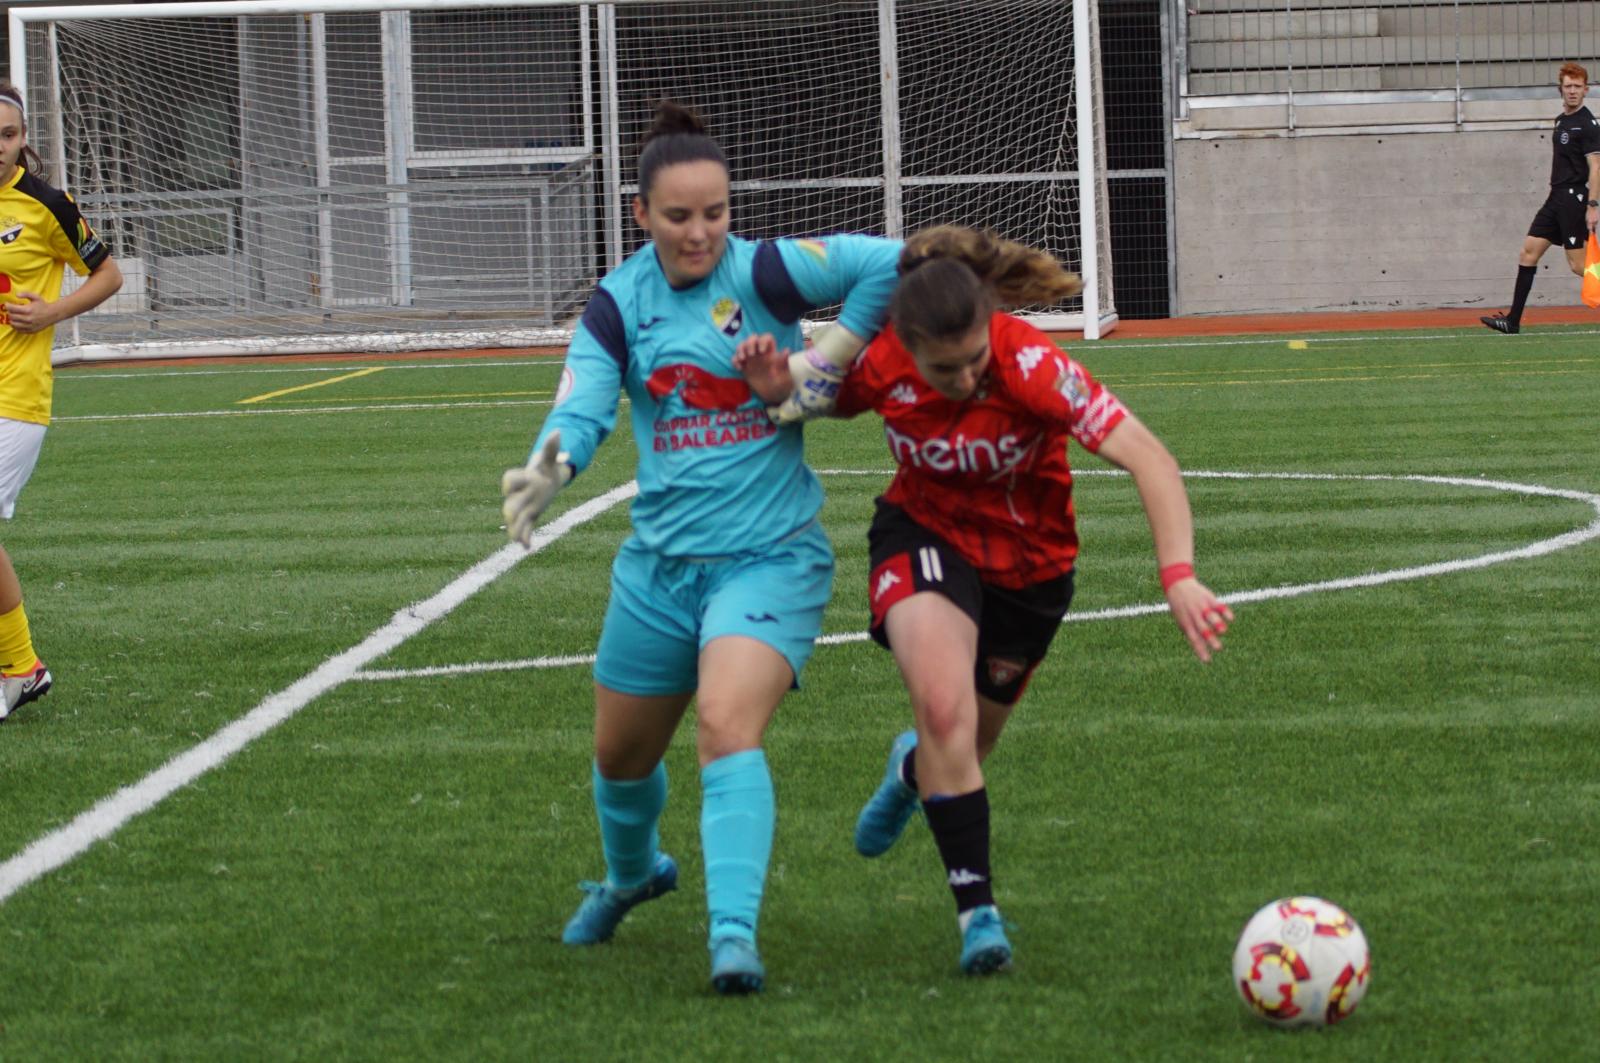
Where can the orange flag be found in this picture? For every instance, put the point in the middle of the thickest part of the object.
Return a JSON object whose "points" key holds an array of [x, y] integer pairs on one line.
{"points": [[1591, 273]]}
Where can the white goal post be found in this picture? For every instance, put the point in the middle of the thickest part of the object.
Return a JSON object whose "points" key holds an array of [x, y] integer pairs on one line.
{"points": [[288, 176]]}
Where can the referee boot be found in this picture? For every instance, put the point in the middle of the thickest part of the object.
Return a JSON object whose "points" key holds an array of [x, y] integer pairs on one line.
{"points": [[1501, 323]]}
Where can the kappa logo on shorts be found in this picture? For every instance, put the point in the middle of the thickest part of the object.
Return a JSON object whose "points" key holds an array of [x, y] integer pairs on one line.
{"points": [[764, 618], [889, 584]]}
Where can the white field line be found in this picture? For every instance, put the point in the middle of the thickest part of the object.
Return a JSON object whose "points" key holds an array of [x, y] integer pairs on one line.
{"points": [[64, 373], [108, 816], [1278, 339], [1371, 579], [371, 408]]}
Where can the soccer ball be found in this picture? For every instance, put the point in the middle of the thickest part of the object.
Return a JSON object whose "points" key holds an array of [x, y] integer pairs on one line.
{"points": [[1302, 961]]}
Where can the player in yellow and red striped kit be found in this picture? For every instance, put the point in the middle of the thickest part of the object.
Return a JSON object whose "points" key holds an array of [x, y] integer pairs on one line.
{"points": [[41, 233]]}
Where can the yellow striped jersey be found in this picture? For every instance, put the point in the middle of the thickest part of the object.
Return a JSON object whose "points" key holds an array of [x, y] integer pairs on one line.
{"points": [[40, 232]]}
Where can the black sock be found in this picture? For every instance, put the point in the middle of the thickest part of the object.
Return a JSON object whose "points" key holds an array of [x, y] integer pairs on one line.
{"points": [[961, 830], [1524, 286]]}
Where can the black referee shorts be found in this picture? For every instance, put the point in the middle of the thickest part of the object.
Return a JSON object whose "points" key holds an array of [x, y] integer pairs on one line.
{"points": [[1015, 627], [1561, 219]]}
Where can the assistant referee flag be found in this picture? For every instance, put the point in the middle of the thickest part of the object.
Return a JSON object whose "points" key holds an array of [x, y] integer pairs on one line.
{"points": [[1591, 273]]}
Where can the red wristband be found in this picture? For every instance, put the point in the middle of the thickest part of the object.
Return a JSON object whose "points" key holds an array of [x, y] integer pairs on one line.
{"points": [[1173, 573]]}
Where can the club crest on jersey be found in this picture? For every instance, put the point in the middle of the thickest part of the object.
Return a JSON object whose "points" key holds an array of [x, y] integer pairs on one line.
{"points": [[1003, 671], [817, 249], [1565, 136], [9, 234], [1072, 385], [727, 316]]}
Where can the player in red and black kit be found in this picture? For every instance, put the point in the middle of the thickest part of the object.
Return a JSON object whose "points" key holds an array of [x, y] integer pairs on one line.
{"points": [[1570, 211], [974, 542]]}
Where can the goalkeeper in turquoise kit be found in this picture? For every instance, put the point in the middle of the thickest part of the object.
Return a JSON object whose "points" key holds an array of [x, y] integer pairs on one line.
{"points": [[717, 597]]}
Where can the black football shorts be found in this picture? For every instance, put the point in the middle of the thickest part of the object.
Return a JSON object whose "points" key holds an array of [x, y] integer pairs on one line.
{"points": [[1561, 220], [1015, 627]]}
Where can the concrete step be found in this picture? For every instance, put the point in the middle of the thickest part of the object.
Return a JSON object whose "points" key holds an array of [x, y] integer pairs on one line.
{"points": [[1225, 56], [1331, 79], [1496, 18], [1477, 75], [1272, 26], [1374, 116], [1498, 13]]}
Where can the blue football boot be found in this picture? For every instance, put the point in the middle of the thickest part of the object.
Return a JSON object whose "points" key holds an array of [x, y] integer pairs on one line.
{"points": [[605, 906], [735, 967], [890, 808], [984, 948]]}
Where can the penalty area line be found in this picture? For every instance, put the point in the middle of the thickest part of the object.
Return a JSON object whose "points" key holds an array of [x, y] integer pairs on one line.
{"points": [[64, 844]]}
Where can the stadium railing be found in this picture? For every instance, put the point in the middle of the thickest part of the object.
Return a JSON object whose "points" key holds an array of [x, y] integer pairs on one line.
{"points": [[1266, 64]]}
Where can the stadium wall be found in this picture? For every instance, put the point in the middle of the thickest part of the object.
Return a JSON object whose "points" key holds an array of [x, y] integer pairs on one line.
{"points": [[1385, 220]]}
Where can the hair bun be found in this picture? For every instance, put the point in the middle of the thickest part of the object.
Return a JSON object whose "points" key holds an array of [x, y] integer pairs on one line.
{"points": [[674, 117]]}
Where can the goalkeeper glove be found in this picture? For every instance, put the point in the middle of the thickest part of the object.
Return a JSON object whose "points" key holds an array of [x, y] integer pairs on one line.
{"points": [[529, 489], [817, 372], [816, 388]]}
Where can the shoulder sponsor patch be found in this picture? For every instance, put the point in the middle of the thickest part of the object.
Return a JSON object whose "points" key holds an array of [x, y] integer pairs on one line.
{"points": [[817, 249], [1072, 385]]}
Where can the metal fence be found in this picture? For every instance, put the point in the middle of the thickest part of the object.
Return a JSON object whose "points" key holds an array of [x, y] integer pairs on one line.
{"points": [[1244, 47]]}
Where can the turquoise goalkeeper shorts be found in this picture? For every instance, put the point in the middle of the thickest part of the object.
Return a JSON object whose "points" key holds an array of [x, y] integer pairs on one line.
{"points": [[663, 610]]}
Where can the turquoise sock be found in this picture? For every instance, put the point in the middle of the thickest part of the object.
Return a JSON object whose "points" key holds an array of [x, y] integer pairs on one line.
{"points": [[629, 810], [736, 822]]}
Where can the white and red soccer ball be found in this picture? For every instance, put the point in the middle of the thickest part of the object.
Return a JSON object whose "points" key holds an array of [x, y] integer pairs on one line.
{"points": [[1302, 961]]}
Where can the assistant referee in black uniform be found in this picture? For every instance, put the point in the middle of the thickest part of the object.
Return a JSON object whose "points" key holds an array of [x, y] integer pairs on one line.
{"points": [[1570, 212]]}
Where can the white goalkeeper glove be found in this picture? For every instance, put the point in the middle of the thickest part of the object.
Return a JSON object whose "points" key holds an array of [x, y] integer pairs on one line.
{"points": [[817, 372], [528, 490], [816, 388]]}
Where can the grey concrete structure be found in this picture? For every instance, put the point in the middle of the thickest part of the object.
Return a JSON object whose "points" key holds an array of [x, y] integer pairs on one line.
{"points": [[1371, 221]]}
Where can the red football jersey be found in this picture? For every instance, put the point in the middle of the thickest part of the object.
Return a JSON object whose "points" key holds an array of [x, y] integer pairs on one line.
{"points": [[989, 473]]}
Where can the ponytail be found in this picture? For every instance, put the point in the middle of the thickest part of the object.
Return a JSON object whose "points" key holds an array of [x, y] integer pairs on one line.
{"points": [[953, 277]]}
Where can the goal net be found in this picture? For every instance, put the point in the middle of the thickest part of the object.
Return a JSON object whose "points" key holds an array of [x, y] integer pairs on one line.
{"points": [[280, 177]]}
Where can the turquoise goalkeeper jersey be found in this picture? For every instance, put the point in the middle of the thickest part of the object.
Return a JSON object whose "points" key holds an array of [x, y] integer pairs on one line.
{"points": [[716, 477]]}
